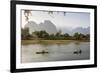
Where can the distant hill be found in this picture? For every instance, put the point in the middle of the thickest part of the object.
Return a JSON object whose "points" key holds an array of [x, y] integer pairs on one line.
{"points": [[47, 25], [82, 30], [78, 29], [50, 28], [32, 26]]}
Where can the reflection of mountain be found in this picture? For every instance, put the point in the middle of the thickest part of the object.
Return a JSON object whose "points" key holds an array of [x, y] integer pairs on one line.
{"points": [[48, 26]]}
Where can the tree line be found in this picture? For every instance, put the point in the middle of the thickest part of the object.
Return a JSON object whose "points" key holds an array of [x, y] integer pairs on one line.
{"points": [[25, 35]]}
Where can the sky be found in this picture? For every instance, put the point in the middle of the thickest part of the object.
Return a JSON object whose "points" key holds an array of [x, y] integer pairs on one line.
{"points": [[70, 20]]}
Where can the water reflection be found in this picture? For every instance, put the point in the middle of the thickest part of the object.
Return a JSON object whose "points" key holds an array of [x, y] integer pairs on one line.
{"points": [[77, 50], [55, 52]]}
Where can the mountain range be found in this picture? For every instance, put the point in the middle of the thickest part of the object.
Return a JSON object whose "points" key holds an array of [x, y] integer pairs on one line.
{"points": [[47, 25], [50, 28], [78, 29]]}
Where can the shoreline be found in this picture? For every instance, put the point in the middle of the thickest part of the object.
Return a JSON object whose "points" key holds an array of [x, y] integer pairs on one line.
{"points": [[24, 42]]}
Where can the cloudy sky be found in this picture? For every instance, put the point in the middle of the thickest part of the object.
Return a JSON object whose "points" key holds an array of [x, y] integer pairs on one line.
{"points": [[70, 20]]}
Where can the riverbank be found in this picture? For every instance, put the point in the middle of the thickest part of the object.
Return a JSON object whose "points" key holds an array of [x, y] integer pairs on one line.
{"points": [[50, 41]]}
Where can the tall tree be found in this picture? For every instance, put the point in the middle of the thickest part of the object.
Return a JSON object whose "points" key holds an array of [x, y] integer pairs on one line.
{"points": [[76, 36], [25, 33]]}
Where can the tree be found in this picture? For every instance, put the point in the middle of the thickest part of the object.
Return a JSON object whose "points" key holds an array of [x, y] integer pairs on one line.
{"points": [[58, 34], [41, 34], [80, 36], [66, 35], [25, 34], [52, 37], [27, 13], [87, 36], [76, 36], [36, 33]]}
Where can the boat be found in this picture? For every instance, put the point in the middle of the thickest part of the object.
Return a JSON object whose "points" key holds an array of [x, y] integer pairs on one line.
{"points": [[42, 52], [77, 52]]}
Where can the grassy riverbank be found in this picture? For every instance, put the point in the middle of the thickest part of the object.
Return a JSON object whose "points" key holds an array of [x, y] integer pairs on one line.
{"points": [[50, 41]]}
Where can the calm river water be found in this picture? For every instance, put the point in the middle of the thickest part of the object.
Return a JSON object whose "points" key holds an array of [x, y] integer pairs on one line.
{"points": [[55, 52]]}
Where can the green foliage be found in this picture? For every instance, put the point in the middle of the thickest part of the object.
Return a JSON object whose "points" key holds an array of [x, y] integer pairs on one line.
{"points": [[41, 34], [25, 34], [58, 36], [79, 36]]}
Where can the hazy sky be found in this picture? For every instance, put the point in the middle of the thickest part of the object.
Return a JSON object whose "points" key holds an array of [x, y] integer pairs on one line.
{"points": [[70, 20]]}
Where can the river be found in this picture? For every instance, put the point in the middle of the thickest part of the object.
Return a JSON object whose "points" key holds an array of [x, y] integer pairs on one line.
{"points": [[55, 52]]}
